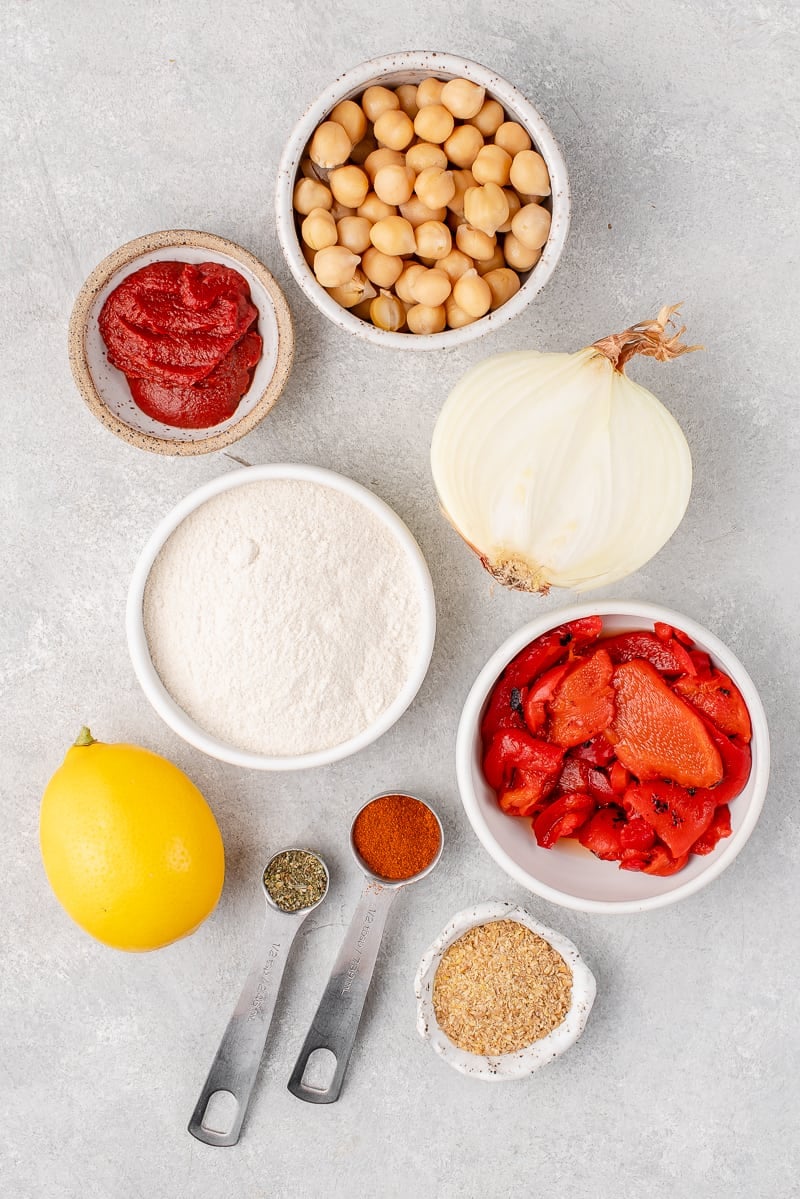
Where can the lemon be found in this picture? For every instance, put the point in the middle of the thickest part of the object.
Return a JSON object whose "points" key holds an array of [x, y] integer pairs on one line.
{"points": [[130, 846]]}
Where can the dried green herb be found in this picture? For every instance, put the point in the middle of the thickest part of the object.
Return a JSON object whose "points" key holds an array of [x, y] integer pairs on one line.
{"points": [[295, 879]]}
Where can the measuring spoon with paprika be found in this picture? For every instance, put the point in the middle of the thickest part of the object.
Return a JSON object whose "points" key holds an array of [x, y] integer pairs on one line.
{"points": [[295, 882], [396, 840]]}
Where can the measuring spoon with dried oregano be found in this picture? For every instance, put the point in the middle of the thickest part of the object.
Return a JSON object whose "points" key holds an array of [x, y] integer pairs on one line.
{"points": [[295, 881], [396, 840]]}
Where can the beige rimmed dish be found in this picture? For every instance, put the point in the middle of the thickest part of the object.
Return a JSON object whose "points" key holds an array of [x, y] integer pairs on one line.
{"points": [[105, 389], [505, 1066], [411, 67]]}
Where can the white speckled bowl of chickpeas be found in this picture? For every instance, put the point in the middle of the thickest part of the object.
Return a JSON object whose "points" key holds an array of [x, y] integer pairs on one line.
{"points": [[422, 201]]}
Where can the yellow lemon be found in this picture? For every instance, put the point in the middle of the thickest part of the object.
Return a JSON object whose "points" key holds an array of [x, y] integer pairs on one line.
{"points": [[130, 846]]}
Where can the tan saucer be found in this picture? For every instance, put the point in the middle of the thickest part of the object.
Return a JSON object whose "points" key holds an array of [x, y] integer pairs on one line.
{"points": [[106, 390]]}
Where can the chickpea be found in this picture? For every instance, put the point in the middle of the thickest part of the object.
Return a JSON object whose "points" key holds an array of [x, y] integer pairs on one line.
{"points": [[473, 294], [531, 226], [494, 263], [309, 194], [429, 92], [489, 119], [382, 157], [435, 187], [463, 180], [341, 210], [433, 240], [349, 185], [361, 310], [374, 209], [455, 264], [394, 129], [457, 318], [351, 117], [425, 154], [386, 312], [355, 292], [416, 212], [431, 288], [334, 266], [475, 242], [360, 153], [512, 138], [308, 253], [353, 233], [486, 208], [514, 205], [503, 284], [318, 230], [462, 98], [377, 100], [381, 269], [463, 145], [433, 123], [330, 145], [519, 255], [492, 165], [403, 285], [394, 235], [407, 95], [422, 319], [394, 184], [529, 174]]}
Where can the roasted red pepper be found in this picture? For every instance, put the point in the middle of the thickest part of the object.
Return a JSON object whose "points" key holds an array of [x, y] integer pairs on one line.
{"points": [[603, 834], [718, 696], [563, 817], [720, 827], [548, 649], [677, 817], [542, 689], [583, 702], [514, 749], [617, 767]]}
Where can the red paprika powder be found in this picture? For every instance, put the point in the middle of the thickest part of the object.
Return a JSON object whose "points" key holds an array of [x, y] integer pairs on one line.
{"points": [[396, 836]]}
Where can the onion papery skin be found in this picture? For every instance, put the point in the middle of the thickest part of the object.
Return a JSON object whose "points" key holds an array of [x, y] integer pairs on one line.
{"points": [[558, 470]]}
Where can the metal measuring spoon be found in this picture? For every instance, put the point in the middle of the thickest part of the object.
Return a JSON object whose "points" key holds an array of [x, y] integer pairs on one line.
{"points": [[233, 1071], [337, 1018]]}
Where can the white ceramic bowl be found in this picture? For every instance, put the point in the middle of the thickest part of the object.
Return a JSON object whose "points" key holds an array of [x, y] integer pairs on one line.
{"points": [[411, 67], [506, 1066], [568, 874], [174, 715], [105, 389]]}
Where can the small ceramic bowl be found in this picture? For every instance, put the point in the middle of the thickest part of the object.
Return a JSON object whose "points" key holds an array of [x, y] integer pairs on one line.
{"points": [[506, 1066], [105, 389], [412, 67], [568, 874], [174, 715]]}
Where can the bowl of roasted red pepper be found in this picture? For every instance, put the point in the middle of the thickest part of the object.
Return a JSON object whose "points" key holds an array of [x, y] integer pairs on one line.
{"points": [[613, 757]]}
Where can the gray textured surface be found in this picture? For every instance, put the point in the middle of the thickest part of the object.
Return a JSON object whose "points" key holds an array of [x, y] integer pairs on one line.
{"points": [[679, 125]]}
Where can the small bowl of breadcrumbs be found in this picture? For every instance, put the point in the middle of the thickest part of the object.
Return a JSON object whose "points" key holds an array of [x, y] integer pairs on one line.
{"points": [[499, 995]]}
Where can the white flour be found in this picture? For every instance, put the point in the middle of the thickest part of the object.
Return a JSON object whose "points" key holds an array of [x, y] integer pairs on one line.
{"points": [[282, 616]]}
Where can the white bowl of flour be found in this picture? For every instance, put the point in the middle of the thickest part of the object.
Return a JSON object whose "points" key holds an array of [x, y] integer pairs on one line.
{"points": [[281, 617]]}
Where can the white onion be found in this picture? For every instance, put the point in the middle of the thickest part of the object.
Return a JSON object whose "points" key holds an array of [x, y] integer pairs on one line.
{"points": [[557, 469]]}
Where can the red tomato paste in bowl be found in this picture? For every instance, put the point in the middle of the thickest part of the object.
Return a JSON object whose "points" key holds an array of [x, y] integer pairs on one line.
{"points": [[633, 744], [185, 337]]}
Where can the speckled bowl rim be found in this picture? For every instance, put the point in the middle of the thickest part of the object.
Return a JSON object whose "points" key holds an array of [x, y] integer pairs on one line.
{"points": [[172, 713], [507, 1066], [467, 739], [437, 63], [116, 261]]}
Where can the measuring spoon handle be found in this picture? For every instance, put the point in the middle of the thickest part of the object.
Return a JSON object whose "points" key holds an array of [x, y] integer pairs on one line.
{"points": [[239, 1055], [336, 1021]]}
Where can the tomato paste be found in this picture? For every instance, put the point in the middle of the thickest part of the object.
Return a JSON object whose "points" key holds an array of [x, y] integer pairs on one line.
{"points": [[185, 337]]}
